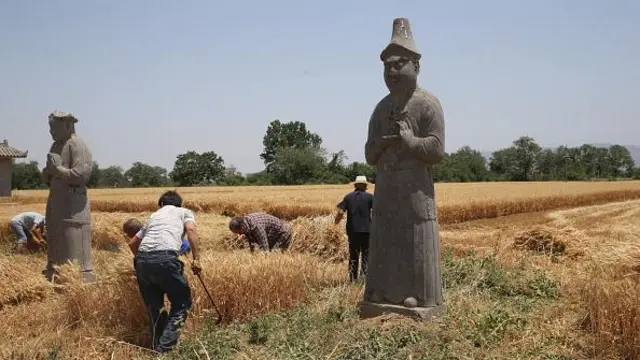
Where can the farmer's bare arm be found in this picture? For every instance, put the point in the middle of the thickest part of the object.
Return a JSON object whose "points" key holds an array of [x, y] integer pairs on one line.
{"points": [[134, 244], [192, 236]]}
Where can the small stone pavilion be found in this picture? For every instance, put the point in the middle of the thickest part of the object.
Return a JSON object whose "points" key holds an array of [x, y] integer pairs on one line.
{"points": [[7, 154]]}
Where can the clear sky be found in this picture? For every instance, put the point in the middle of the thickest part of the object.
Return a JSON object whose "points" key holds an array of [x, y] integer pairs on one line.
{"points": [[151, 79]]}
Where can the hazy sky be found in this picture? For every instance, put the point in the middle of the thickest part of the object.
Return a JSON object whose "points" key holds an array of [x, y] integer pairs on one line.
{"points": [[151, 79]]}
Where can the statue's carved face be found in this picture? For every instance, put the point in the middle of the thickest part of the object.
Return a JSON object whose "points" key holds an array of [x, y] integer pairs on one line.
{"points": [[400, 73], [60, 130]]}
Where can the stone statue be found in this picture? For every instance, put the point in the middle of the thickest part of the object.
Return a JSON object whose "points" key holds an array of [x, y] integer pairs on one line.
{"points": [[68, 168], [405, 139]]}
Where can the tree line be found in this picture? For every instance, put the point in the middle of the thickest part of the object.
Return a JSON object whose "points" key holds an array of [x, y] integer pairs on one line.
{"points": [[293, 155]]}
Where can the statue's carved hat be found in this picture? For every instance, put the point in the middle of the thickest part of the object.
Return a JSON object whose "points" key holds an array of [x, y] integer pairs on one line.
{"points": [[61, 115], [401, 36]]}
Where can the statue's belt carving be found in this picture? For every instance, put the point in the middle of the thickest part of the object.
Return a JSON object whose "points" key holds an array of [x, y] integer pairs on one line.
{"points": [[66, 190], [404, 166]]}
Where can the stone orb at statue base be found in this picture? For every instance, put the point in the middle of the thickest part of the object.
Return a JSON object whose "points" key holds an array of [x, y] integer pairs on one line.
{"points": [[370, 310]]}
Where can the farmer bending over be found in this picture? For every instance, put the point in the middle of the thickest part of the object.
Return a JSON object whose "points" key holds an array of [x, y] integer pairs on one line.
{"points": [[264, 230], [28, 226], [159, 271], [132, 226]]}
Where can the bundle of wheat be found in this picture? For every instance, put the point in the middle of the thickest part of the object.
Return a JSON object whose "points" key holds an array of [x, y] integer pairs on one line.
{"points": [[21, 280], [231, 241], [541, 239], [319, 236]]}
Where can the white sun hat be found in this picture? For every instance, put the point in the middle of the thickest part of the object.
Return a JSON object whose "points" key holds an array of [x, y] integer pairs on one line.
{"points": [[361, 179]]}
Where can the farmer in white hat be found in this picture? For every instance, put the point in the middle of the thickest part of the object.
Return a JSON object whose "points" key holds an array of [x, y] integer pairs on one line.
{"points": [[357, 204]]}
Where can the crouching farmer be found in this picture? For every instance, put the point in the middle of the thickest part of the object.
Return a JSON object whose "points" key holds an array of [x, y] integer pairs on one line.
{"points": [[159, 271], [28, 226], [264, 230]]}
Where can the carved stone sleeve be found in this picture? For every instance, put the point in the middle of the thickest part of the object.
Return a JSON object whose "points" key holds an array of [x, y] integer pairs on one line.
{"points": [[373, 147], [429, 144], [81, 165]]}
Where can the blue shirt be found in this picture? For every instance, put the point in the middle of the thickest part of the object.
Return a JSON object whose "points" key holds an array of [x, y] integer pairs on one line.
{"points": [[28, 219]]}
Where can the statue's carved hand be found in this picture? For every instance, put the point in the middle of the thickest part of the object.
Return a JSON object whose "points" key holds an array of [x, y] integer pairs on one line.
{"points": [[54, 163], [53, 160], [406, 133]]}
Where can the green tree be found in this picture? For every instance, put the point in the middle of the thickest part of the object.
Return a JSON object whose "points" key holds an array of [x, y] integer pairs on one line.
{"points": [[443, 171], [260, 178], [546, 165], [96, 173], [526, 153], [113, 177], [336, 169], [192, 168], [569, 165], [622, 164], [503, 165], [145, 175], [26, 176], [468, 165], [603, 163], [293, 135], [233, 177], [297, 166], [357, 168], [589, 160], [518, 162]]}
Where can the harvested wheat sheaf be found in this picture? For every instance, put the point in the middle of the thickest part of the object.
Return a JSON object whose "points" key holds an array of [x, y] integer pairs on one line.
{"points": [[21, 280], [319, 236], [544, 239], [610, 293]]}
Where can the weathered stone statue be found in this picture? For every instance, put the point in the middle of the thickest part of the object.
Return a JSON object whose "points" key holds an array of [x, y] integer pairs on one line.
{"points": [[406, 138], [69, 166]]}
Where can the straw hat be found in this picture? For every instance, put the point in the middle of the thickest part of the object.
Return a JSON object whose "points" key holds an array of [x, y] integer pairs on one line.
{"points": [[361, 179]]}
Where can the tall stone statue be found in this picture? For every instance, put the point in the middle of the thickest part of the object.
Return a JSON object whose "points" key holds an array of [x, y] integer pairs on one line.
{"points": [[69, 166], [406, 138]]}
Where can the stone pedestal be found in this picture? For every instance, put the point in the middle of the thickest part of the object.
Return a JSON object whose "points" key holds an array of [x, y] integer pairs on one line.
{"points": [[88, 277], [370, 310]]}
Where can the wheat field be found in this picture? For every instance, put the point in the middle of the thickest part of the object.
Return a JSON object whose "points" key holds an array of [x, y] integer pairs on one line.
{"points": [[456, 202], [587, 234]]}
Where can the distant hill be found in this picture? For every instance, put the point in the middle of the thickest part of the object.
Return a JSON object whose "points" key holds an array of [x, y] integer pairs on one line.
{"points": [[633, 149]]}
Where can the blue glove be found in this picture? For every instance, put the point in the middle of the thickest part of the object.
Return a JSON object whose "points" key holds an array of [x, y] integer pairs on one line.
{"points": [[185, 248]]}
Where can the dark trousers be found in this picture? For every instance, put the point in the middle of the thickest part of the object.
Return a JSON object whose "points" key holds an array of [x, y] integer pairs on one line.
{"points": [[283, 242], [159, 273], [358, 245]]}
